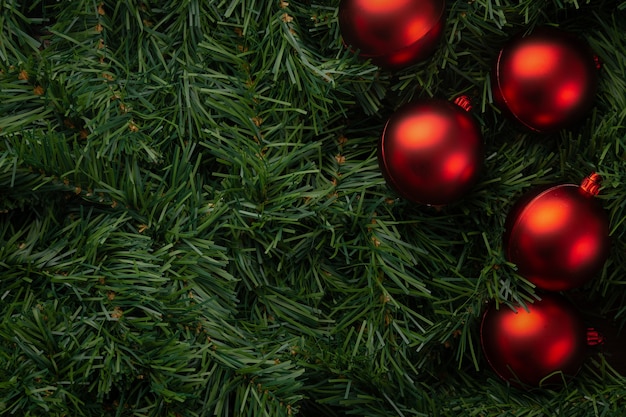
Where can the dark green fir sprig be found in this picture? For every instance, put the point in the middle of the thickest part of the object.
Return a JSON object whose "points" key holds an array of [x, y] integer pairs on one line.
{"points": [[193, 221]]}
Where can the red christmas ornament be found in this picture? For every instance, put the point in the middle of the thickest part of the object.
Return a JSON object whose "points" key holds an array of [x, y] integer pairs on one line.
{"points": [[431, 151], [537, 346], [559, 236], [392, 34], [546, 80]]}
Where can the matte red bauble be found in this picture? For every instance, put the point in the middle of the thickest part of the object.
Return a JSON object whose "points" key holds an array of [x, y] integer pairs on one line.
{"points": [[392, 34], [546, 80], [541, 345], [431, 151], [558, 237]]}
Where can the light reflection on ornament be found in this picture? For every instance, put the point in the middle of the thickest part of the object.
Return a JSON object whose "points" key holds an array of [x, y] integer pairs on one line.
{"points": [[533, 61], [548, 216]]}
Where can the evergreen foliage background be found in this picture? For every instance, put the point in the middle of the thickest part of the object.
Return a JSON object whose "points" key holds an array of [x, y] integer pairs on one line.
{"points": [[193, 222]]}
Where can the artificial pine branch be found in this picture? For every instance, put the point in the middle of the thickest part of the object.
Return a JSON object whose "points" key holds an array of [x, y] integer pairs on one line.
{"points": [[193, 221]]}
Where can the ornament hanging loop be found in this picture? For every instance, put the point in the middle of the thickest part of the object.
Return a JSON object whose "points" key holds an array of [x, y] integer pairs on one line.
{"points": [[594, 337], [596, 60], [463, 102], [591, 184]]}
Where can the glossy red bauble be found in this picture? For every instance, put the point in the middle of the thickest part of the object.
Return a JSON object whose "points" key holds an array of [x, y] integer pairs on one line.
{"points": [[546, 80], [541, 345], [431, 151], [392, 34], [558, 237]]}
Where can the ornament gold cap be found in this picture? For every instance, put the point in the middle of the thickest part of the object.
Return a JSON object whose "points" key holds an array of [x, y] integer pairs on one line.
{"points": [[591, 184], [463, 102], [594, 337]]}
